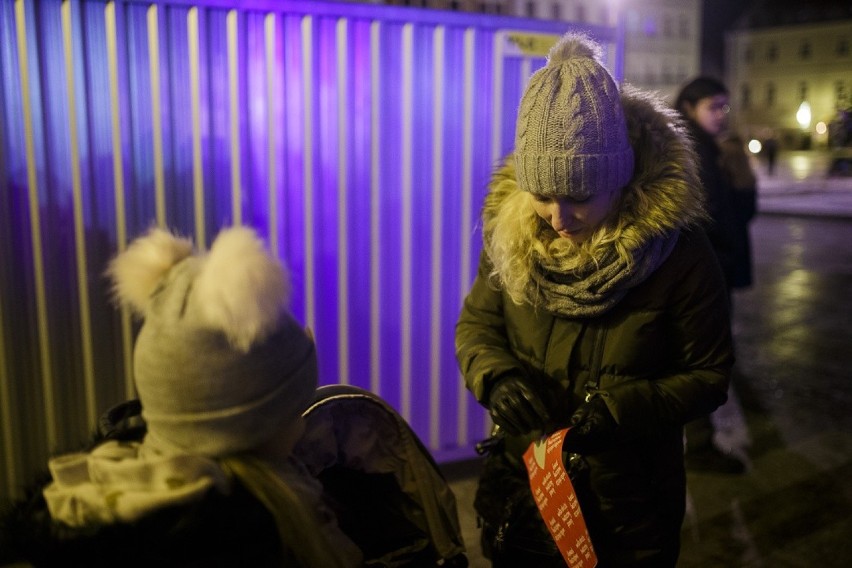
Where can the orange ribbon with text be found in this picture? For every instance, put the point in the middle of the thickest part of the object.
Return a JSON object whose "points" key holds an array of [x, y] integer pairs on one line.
{"points": [[557, 501]]}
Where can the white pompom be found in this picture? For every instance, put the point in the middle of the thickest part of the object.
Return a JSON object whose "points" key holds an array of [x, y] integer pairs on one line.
{"points": [[241, 289], [574, 45], [138, 270]]}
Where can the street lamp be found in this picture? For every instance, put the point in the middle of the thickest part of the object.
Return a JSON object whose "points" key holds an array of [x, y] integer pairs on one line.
{"points": [[803, 115]]}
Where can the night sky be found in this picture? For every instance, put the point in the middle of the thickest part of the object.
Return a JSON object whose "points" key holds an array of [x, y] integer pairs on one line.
{"points": [[717, 17]]}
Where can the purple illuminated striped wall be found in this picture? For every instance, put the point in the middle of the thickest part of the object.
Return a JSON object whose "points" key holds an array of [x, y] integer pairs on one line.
{"points": [[358, 139]]}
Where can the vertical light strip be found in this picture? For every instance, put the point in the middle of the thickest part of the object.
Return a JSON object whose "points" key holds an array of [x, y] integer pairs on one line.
{"points": [[308, 141], [406, 251], [272, 96], [8, 432], [35, 230], [375, 210], [342, 213], [156, 115], [466, 222], [79, 228], [118, 182], [618, 64], [12, 478], [497, 98], [195, 104], [234, 108], [497, 126], [526, 71], [436, 342]]}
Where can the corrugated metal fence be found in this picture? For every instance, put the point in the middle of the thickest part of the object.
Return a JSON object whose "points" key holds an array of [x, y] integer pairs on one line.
{"points": [[357, 139]]}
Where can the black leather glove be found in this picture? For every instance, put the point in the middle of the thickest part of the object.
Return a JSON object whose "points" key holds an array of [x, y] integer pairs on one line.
{"points": [[592, 428], [516, 407]]}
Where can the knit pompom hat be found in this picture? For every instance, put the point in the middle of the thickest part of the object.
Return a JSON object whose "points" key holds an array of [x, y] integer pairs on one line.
{"points": [[220, 365], [571, 136]]}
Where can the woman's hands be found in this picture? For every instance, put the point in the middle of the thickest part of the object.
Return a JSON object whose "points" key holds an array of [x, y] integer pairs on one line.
{"points": [[593, 428], [516, 407], [519, 408]]}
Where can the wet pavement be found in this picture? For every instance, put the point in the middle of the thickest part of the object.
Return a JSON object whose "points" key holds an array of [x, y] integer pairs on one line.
{"points": [[789, 415]]}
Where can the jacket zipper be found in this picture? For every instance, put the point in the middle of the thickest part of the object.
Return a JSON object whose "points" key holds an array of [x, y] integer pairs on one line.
{"points": [[593, 385]]}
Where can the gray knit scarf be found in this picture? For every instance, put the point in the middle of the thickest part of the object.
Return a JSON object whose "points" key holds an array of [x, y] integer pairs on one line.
{"points": [[595, 288]]}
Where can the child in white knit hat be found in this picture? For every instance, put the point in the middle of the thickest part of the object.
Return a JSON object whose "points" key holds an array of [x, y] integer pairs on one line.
{"points": [[223, 373]]}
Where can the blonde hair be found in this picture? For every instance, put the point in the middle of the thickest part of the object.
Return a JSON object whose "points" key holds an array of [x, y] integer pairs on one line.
{"points": [[300, 532], [517, 239]]}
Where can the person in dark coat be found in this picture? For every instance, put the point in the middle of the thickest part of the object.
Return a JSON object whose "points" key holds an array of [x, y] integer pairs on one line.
{"points": [[704, 104], [599, 304], [739, 175]]}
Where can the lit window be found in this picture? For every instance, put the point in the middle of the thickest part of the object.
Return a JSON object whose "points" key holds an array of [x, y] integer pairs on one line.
{"points": [[650, 27], [668, 26], [772, 52], [633, 21], [651, 76], [840, 95], [684, 27]]}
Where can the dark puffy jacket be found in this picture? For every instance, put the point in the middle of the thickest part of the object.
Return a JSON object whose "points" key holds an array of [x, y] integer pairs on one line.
{"points": [[659, 358], [722, 227]]}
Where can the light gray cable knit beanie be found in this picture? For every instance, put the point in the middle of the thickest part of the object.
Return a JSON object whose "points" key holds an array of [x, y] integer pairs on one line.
{"points": [[220, 364], [571, 136]]}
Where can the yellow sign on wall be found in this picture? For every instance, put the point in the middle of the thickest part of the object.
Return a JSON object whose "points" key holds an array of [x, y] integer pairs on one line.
{"points": [[524, 44]]}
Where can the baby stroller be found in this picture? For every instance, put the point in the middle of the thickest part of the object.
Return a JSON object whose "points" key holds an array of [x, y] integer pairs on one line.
{"points": [[382, 484]]}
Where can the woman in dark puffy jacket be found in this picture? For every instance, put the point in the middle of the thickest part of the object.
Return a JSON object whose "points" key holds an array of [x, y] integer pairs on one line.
{"points": [[600, 305]]}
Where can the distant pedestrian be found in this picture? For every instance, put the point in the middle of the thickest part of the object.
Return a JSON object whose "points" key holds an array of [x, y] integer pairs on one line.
{"points": [[770, 150]]}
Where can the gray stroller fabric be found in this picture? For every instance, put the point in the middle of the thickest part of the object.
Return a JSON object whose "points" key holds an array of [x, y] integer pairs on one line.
{"points": [[390, 496]]}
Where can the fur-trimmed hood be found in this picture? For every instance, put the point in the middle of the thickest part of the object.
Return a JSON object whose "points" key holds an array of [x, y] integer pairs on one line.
{"points": [[663, 197], [665, 192]]}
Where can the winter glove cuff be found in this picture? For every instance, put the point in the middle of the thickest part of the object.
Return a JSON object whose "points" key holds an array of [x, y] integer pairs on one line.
{"points": [[516, 407]]}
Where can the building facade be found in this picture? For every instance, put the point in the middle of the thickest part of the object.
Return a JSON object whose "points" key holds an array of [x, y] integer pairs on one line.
{"points": [[663, 43], [772, 71], [662, 37]]}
